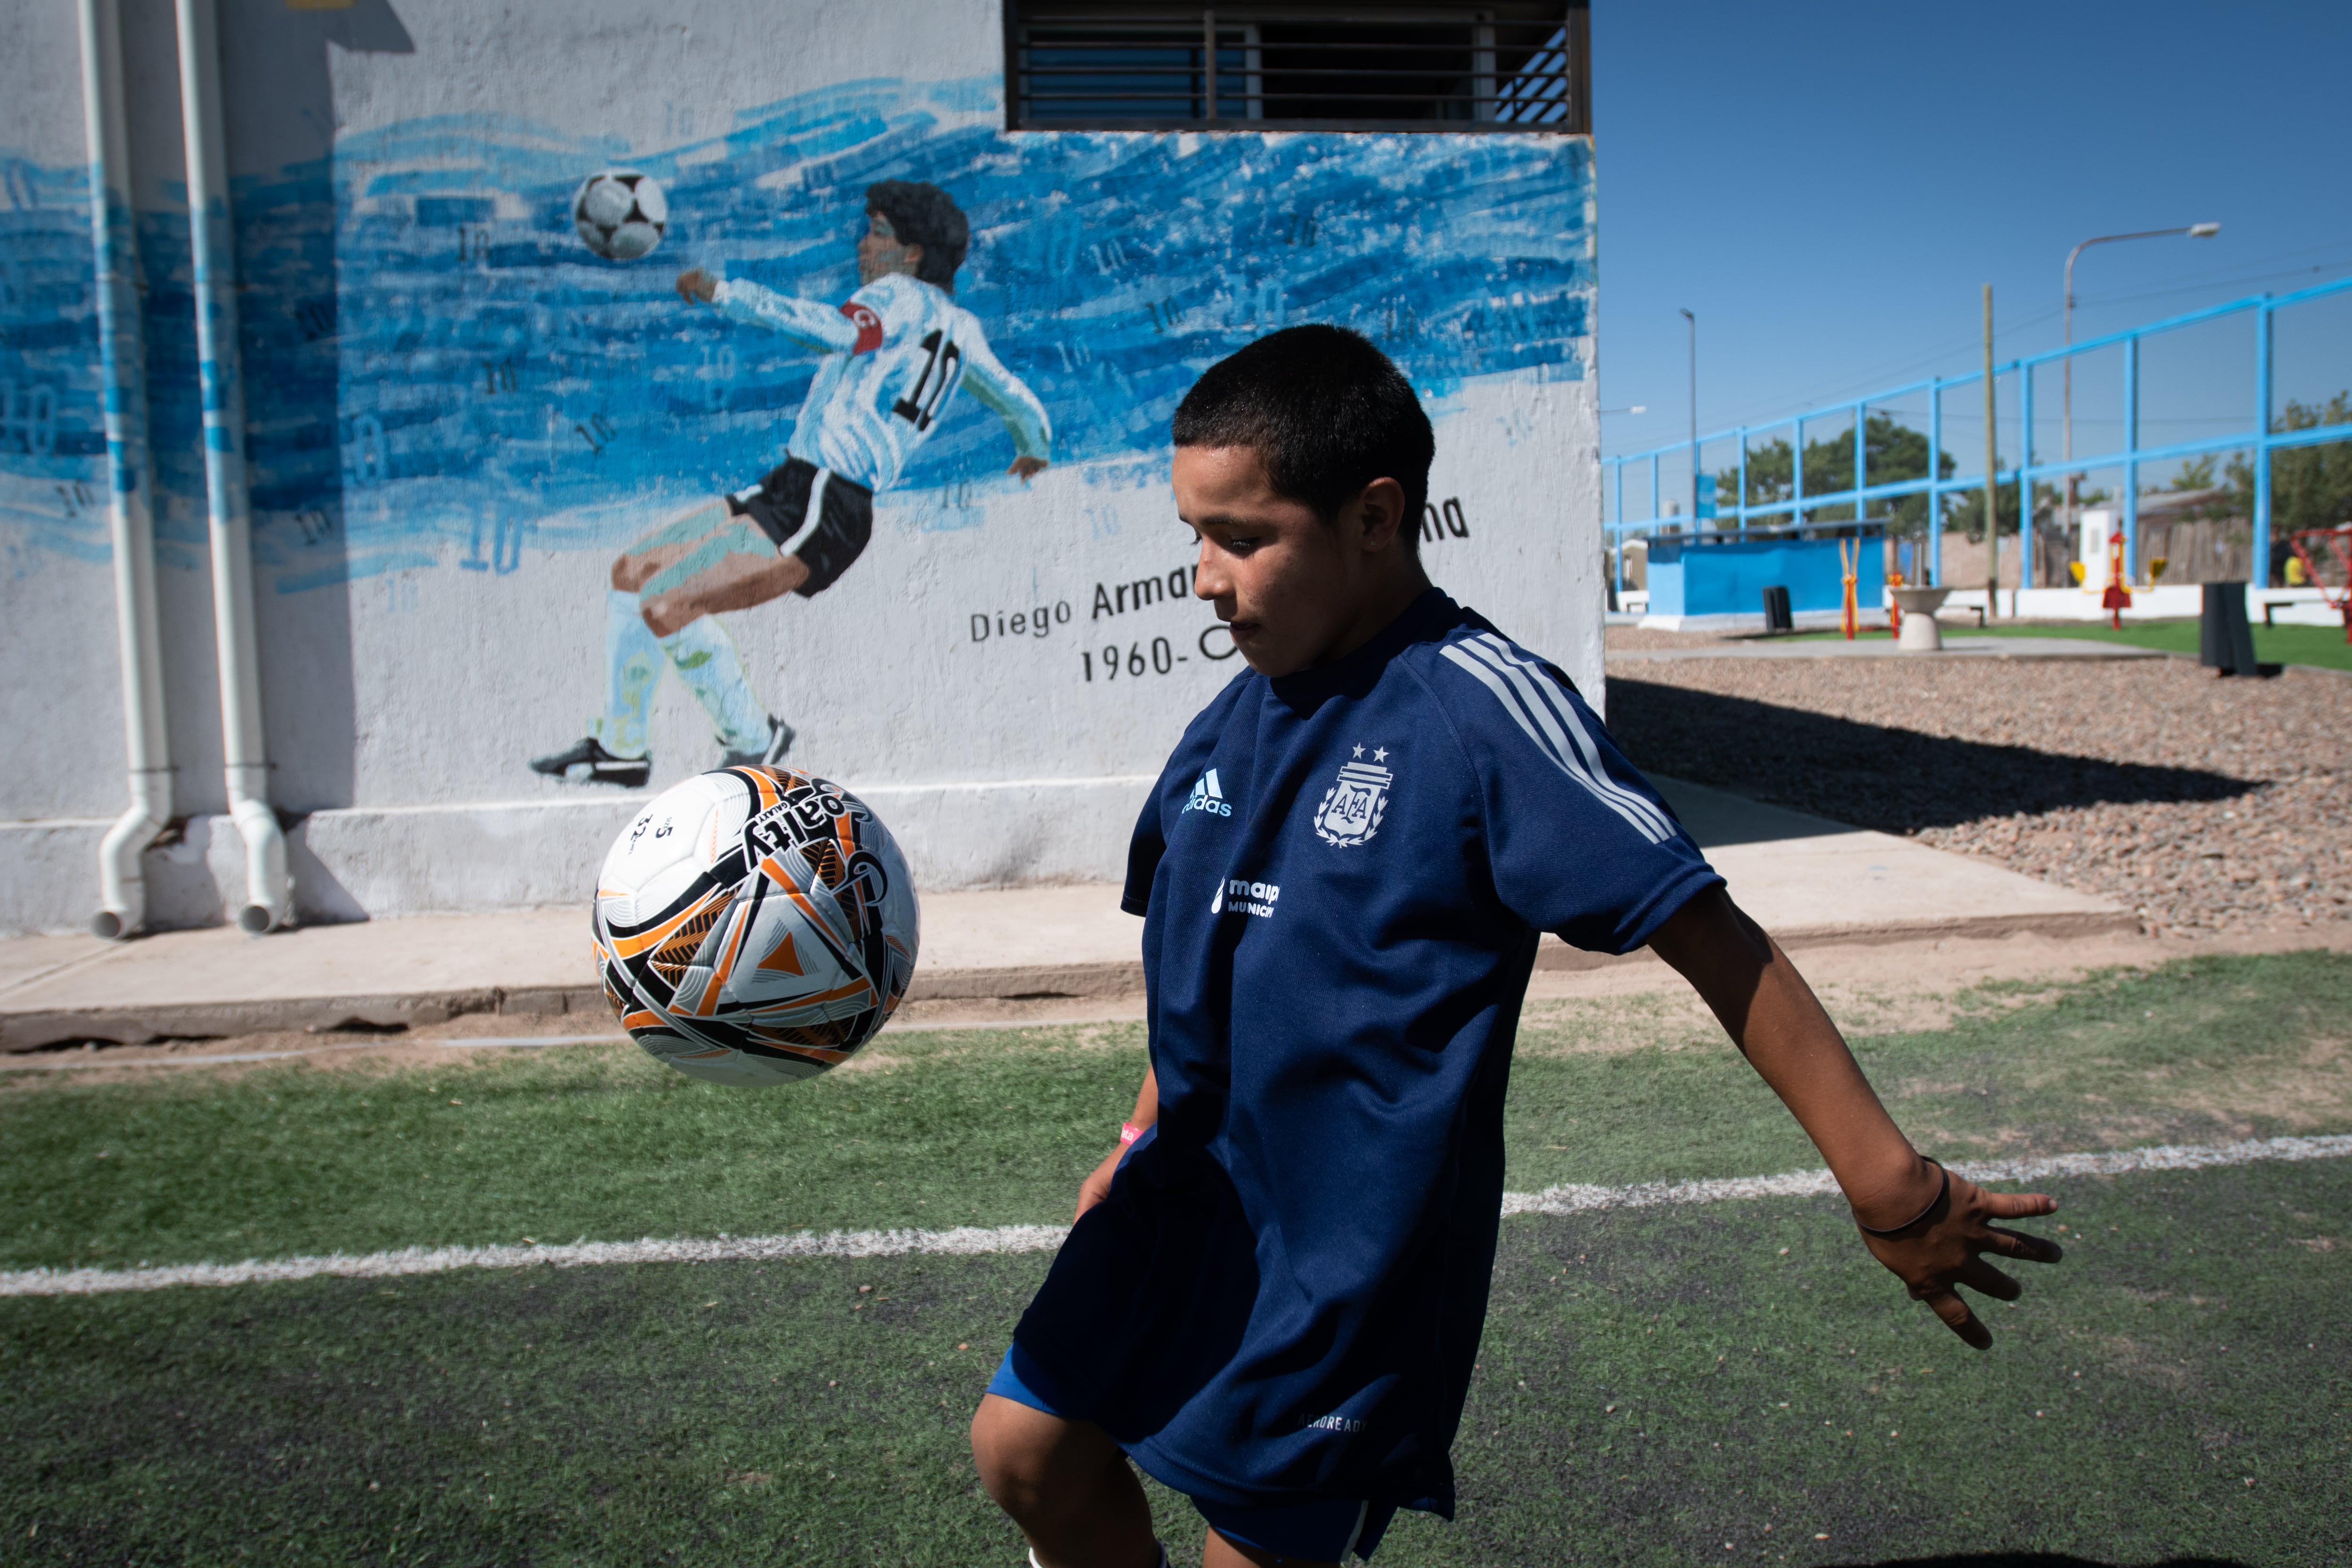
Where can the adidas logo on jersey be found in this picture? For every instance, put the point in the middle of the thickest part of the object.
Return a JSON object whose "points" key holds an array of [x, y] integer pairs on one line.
{"points": [[1208, 797]]}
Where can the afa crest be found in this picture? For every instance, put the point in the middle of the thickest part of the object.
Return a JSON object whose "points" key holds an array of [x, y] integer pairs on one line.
{"points": [[1352, 808]]}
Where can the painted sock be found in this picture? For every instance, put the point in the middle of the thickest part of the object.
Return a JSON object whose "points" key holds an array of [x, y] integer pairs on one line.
{"points": [[705, 657], [633, 663]]}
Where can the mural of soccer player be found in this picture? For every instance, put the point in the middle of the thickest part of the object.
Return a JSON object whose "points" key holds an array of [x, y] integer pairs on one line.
{"points": [[895, 353]]}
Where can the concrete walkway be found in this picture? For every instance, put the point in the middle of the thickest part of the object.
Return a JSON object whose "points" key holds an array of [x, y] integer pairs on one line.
{"points": [[1879, 645], [1808, 880]]}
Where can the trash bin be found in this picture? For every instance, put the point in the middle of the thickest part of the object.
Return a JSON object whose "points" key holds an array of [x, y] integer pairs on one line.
{"points": [[2226, 639], [1776, 618]]}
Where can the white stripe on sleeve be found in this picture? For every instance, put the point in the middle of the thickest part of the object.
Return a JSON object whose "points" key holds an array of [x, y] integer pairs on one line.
{"points": [[1501, 653], [1493, 682]]}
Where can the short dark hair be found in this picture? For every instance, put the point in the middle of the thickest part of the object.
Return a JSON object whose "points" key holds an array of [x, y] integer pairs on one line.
{"points": [[922, 213], [1326, 413]]}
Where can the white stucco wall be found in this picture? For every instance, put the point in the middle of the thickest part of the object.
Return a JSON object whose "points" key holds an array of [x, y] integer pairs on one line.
{"points": [[459, 417]]}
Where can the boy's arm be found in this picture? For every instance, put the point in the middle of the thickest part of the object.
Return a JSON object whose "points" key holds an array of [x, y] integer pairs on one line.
{"points": [[1097, 1186], [1774, 1019]]}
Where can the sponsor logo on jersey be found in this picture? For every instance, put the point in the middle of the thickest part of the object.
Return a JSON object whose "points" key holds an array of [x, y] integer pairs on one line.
{"points": [[1352, 808], [1240, 896], [1333, 1424], [1207, 796], [868, 325]]}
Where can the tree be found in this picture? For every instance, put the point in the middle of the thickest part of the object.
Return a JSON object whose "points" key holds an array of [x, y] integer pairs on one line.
{"points": [[2198, 475], [2311, 486], [1964, 510], [1890, 454]]}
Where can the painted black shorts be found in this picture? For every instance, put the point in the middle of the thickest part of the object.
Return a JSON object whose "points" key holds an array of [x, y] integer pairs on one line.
{"points": [[779, 506]]}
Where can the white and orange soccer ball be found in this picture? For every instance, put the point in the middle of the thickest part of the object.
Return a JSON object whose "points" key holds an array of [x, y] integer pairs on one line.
{"points": [[755, 925]]}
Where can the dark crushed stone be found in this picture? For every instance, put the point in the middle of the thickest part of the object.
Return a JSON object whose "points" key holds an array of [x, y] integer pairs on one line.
{"points": [[2200, 803]]}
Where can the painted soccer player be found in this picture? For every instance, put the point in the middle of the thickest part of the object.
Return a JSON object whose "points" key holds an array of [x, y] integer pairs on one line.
{"points": [[1273, 1296], [895, 354]]}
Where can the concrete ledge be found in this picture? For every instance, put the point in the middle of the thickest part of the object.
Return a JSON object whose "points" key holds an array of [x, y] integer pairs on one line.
{"points": [[30, 1031], [133, 1025], [137, 1025], [2063, 924], [1028, 982], [1555, 956], [1811, 882], [130, 1025]]}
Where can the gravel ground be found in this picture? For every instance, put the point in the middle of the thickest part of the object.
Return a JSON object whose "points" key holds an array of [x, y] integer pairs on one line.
{"points": [[2204, 805]]}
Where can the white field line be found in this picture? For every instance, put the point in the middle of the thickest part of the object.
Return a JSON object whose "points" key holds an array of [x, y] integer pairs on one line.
{"points": [[967, 1241], [1807, 1184], [963, 1241]]}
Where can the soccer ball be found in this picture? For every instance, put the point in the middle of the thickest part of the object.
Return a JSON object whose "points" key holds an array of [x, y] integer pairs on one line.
{"points": [[755, 925], [620, 214]]}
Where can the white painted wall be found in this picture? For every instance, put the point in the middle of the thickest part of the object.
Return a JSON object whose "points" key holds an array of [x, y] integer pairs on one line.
{"points": [[445, 622]]}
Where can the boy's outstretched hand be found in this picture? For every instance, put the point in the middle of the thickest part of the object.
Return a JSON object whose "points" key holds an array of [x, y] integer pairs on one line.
{"points": [[1772, 1016], [1943, 1247]]}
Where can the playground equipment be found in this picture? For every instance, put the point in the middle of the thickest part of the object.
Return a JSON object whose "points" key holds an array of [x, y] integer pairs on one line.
{"points": [[2326, 555], [2116, 599], [1849, 566], [1917, 607]]}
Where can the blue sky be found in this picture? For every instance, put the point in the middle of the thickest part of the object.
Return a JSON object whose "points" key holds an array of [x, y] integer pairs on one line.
{"points": [[1828, 186]]}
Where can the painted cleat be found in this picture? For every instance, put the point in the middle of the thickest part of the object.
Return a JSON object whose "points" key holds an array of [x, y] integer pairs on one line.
{"points": [[590, 763], [779, 741]]}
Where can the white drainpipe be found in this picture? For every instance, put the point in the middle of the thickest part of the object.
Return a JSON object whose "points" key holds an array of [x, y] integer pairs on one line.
{"points": [[122, 886], [270, 900]]}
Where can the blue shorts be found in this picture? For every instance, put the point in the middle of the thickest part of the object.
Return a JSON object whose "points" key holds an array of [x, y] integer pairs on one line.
{"points": [[1315, 1531]]}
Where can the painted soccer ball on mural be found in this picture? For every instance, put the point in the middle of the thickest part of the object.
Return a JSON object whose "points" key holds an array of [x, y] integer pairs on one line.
{"points": [[755, 925], [620, 214]]}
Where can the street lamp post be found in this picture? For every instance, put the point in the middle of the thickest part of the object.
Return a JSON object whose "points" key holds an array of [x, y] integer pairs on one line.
{"points": [[1694, 416], [2067, 399]]}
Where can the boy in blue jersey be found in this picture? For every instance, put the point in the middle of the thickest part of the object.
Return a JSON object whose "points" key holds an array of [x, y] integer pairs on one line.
{"points": [[1273, 1296], [895, 353]]}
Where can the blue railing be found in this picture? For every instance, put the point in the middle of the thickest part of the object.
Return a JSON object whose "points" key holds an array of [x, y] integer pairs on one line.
{"points": [[1739, 515]]}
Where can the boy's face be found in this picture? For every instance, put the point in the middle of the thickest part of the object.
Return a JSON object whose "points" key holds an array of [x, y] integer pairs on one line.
{"points": [[1293, 590], [879, 254]]}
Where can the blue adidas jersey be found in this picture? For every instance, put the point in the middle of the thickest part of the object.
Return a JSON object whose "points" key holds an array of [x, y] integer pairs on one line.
{"points": [[1343, 874]]}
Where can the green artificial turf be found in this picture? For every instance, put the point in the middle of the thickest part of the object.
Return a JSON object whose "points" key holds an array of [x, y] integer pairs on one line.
{"points": [[2322, 645], [1654, 1387], [594, 1140], [2176, 1390], [998, 1128], [2199, 1050]]}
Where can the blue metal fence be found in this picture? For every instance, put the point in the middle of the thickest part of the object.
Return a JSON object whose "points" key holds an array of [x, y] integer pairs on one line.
{"points": [[1737, 515]]}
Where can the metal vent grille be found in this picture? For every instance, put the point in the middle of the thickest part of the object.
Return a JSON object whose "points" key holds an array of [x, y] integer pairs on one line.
{"points": [[1072, 64]]}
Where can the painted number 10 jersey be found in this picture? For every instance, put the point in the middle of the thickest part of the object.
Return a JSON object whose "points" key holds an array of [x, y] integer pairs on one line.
{"points": [[895, 354]]}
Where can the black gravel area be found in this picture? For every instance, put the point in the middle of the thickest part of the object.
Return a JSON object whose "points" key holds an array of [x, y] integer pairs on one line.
{"points": [[2200, 802]]}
